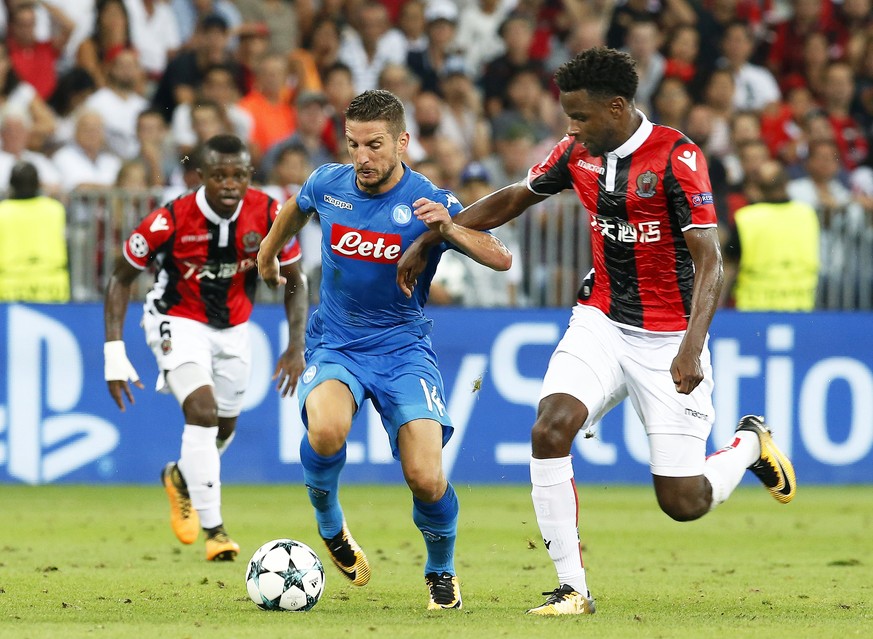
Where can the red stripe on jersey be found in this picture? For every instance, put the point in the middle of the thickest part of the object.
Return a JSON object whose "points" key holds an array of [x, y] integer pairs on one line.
{"points": [[204, 273], [638, 207]]}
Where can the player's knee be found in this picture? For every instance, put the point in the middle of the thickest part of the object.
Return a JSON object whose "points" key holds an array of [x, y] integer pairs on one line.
{"points": [[683, 507], [552, 436], [325, 439], [200, 410], [426, 484]]}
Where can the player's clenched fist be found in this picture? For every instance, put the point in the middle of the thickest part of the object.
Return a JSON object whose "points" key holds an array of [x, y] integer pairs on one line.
{"points": [[268, 269]]}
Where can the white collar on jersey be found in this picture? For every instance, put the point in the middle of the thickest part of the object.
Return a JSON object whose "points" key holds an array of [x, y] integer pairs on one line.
{"points": [[636, 140], [215, 218]]}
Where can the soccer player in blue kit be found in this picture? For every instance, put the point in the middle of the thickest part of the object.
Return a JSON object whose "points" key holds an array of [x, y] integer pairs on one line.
{"points": [[368, 340]]}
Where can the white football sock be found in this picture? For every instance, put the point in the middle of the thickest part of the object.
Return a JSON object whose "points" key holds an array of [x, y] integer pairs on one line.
{"points": [[556, 507], [724, 468], [222, 444], [200, 465]]}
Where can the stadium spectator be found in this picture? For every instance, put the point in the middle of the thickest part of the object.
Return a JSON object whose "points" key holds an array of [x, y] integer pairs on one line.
{"points": [[755, 88], [85, 162], [111, 33], [718, 95], [323, 44], [413, 26], [280, 19], [73, 88], [651, 331], [625, 14], [35, 61], [671, 103], [155, 34], [468, 283], [841, 216], [21, 95], [787, 38], [119, 103], [312, 114], [33, 265], [386, 332], [516, 32], [184, 73], [682, 48], [772, 257], [220, 86], [16, 128], [528, 104], [339, 90], [197, 326], [208, 119], [427, 113], [270, 105], [839, 90], [441, 54], [642, 42], [463, 115], [478, 31], [513, 152], [156, 148], [190, 15], [370, 45]]}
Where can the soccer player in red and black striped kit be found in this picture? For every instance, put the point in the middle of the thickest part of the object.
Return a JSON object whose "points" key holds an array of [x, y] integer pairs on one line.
{"points": [[640, 327], [204, 245]]}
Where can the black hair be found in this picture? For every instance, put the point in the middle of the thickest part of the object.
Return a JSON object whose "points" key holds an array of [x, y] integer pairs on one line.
{"points": [[378, 105], [600, 71], [75, 80], [23, 181], [223, 144]]}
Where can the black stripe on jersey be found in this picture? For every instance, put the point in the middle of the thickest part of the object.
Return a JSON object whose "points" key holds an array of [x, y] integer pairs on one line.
{"points": [[171, 295], [557, 178], [214, 290], [676, 199], [620, 257]]}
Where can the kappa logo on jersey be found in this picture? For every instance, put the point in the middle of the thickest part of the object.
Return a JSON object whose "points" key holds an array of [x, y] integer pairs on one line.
{"points": [[369, 246], [689, 159], [337, 203], [402, 214], [451, 199], [160, 223]]}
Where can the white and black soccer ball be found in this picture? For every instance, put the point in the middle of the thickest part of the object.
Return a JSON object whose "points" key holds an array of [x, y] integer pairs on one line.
{"points": [[284, 574]]}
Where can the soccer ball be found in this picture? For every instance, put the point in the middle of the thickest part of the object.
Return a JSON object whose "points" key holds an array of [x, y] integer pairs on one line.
{"points": [[284, 574]]}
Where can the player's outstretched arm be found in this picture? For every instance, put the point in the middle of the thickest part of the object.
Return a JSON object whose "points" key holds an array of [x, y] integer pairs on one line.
{"points": [[291, 363], [708, 279], [478, 245], [117, 368], [488, 212], [287, 224]]}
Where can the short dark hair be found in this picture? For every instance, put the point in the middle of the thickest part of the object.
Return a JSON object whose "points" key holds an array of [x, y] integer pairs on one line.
{"points": [[600, 71], [224, 144], [23, 181], [378, 104]]}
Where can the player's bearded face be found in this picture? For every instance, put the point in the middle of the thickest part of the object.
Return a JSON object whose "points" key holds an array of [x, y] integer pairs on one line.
{"points": [[592, 121], [226, 179], [375, 154]]}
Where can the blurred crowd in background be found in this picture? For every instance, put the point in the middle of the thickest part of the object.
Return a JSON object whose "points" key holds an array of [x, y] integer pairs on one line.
{"points": [[120, 93]]}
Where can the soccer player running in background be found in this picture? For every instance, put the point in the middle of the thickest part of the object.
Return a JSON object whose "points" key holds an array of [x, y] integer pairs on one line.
{"points": [[195, 319], [640, 327], [368, 340]]}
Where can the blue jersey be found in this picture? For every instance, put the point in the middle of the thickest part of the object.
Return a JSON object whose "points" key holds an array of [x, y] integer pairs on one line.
{"points": [[363, 237]]}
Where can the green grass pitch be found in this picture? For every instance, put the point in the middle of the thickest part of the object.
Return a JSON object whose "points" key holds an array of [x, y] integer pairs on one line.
{"points": [[101, 562]]}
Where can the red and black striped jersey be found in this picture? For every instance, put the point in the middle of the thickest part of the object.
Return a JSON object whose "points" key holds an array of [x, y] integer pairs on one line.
{"points": [[206, 264], [640, 199]]}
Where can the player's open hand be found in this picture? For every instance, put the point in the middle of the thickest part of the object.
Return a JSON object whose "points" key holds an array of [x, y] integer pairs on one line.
{"points": [[268, 269], [288, 369], [117, 371], [411, 264]]}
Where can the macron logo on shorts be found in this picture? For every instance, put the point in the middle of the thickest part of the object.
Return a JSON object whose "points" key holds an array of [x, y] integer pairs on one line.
{"points": [[369, 246]]}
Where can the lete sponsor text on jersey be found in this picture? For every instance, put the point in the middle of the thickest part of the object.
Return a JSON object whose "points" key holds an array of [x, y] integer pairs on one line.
{"points": [[365, 245]]}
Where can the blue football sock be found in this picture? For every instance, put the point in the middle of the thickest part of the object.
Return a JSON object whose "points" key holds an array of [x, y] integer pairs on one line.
{"points": [[321, 476], [438, 523]]}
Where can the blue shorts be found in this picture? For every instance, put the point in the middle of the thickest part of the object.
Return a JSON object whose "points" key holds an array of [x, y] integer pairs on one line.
{"points": [[403, 386]]}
